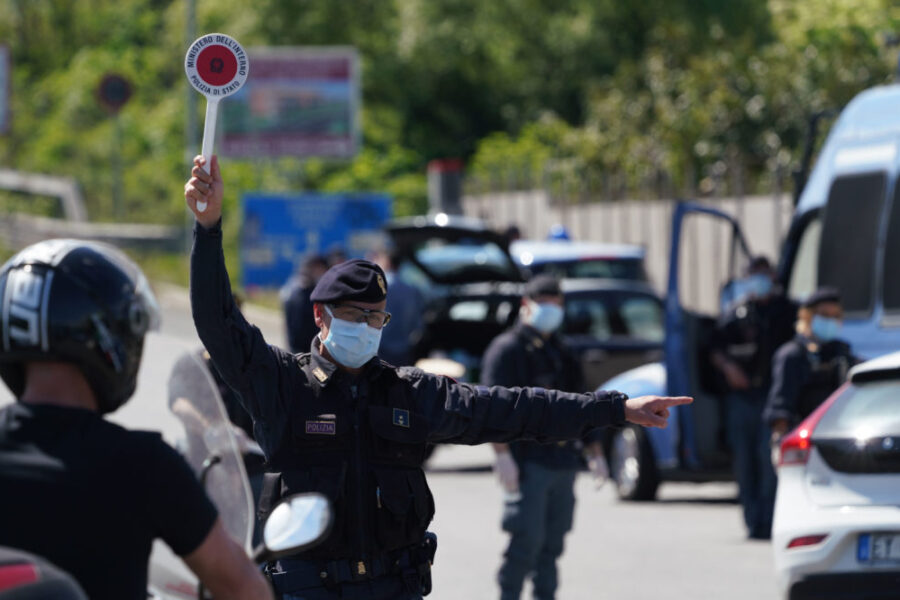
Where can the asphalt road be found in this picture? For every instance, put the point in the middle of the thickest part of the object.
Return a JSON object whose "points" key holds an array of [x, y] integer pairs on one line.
{"points": [[688, 545]]}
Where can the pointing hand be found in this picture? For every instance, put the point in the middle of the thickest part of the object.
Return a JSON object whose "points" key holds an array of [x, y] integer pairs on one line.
{"points": [[652, 411]]}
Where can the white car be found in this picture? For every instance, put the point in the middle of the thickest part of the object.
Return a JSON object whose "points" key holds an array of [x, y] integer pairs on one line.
{"points": [[579, 260], [836, 532]]}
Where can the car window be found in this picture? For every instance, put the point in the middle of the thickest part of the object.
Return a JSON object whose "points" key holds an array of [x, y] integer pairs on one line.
{"points": [[891, 283], [587, 316], [444, 258], [850, 239], [644, 319], [606, 268], [612, 314], [469, 310], [805, 271], [863, 411]]}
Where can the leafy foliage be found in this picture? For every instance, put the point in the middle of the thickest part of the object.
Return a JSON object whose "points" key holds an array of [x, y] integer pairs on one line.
{"points": [[608, 92], [708, 94]]}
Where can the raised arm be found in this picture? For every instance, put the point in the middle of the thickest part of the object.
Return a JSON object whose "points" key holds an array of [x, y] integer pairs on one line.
{"points": [[237, 349]]}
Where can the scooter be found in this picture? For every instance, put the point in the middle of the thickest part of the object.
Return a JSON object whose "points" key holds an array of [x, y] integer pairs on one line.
{"points": [[213, 448]]}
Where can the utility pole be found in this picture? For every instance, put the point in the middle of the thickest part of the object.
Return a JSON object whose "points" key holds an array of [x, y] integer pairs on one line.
{"points": [[190, 111], [190, 129]]}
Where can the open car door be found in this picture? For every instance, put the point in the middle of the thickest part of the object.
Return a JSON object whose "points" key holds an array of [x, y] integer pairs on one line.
{"points": [[708, 253]]}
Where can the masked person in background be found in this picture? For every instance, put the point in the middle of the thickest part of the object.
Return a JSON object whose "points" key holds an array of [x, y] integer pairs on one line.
{"points": [[757, 322], [538, 479], [406, 306], [298, 310], [807, 369]]}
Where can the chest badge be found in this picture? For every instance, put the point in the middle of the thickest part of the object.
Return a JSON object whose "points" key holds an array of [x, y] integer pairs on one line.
{"points": [[319, 374], [321, 427], [401, 418]]}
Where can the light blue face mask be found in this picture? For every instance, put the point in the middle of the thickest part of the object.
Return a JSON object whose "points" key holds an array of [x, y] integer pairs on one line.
{"points": [[759, 285], [351, 344], [825, 329], [545, 317]]}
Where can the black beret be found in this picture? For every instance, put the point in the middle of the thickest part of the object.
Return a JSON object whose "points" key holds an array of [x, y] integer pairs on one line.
{"points": [[542, 285], [355, 279], [823, 294]]}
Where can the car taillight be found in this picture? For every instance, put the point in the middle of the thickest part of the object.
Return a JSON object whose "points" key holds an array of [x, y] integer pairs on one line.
{"points": [[806, 540], [796, 445]]}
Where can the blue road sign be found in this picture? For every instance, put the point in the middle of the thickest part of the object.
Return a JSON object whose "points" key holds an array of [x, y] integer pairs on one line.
{"points": [[280, 230]]}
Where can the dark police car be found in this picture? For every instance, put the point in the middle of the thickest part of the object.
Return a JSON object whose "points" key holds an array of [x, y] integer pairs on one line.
{"points": [[472, 287]]}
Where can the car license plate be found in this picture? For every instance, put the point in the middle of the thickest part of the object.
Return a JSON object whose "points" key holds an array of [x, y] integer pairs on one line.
{"points": [[878, 547]]}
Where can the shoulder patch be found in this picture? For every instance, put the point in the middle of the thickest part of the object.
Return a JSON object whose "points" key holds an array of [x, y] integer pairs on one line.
{"points": [[320, 374], [401, 417]]}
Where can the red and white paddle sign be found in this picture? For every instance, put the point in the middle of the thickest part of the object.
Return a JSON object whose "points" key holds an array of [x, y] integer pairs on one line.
{"points": [[217, 66]]}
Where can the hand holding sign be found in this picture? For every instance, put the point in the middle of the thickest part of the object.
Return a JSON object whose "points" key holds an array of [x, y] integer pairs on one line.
{"points": [[217, 66], [205, 188]]}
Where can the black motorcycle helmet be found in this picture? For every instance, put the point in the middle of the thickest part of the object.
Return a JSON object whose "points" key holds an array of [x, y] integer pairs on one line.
{"points": [[80, 302]]}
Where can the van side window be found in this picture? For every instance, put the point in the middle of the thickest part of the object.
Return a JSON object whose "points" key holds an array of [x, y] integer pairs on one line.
{"points": [[850, 239], [891, 285], [805, 271]]}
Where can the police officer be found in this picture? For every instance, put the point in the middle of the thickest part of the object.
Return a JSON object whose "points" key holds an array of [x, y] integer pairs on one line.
{"points": [[86, 494], [340, 421], [298, 313], [754, 326], [406, 306], [538, 478], [808, 368]]}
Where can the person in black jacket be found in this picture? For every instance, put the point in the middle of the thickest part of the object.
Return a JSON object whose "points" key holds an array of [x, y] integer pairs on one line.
{"points": [[339, 421], [808, 368], [539, 479], [298, 313], [744, 341]]}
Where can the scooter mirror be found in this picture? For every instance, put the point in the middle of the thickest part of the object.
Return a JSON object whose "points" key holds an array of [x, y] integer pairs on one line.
{"points": [[297, 523]]}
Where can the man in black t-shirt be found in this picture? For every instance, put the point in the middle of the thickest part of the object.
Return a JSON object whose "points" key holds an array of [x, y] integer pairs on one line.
{"points": [[88, 495]]}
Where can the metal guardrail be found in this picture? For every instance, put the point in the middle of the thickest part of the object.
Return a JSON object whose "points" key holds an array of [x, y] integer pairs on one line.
{"points": [[64, 188], [19, 230]]}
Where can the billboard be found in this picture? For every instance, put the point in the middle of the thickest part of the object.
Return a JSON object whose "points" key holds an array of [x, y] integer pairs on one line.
{"points": [[296, 102], [280, 230]]}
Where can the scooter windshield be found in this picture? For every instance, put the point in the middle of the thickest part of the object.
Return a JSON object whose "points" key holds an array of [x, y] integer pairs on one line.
{"points": [[210, 445]]}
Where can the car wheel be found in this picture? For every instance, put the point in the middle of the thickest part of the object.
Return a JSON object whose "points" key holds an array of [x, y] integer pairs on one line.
{"points": [[632, 465]]}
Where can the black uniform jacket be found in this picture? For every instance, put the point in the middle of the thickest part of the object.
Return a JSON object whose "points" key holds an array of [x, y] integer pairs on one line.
{"points": [[750, 333], [361, 440], [522, 356], [804, 375], [268, 379]]}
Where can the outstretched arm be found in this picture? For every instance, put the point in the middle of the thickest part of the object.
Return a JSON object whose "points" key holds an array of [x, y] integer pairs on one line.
{"points": [[465, 414]]}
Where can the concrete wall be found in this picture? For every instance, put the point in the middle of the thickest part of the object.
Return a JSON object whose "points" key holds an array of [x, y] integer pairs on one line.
{"points": [[764, 221]]}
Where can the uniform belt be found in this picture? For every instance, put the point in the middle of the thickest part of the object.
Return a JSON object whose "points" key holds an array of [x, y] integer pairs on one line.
{"points": [[299, 574]]}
